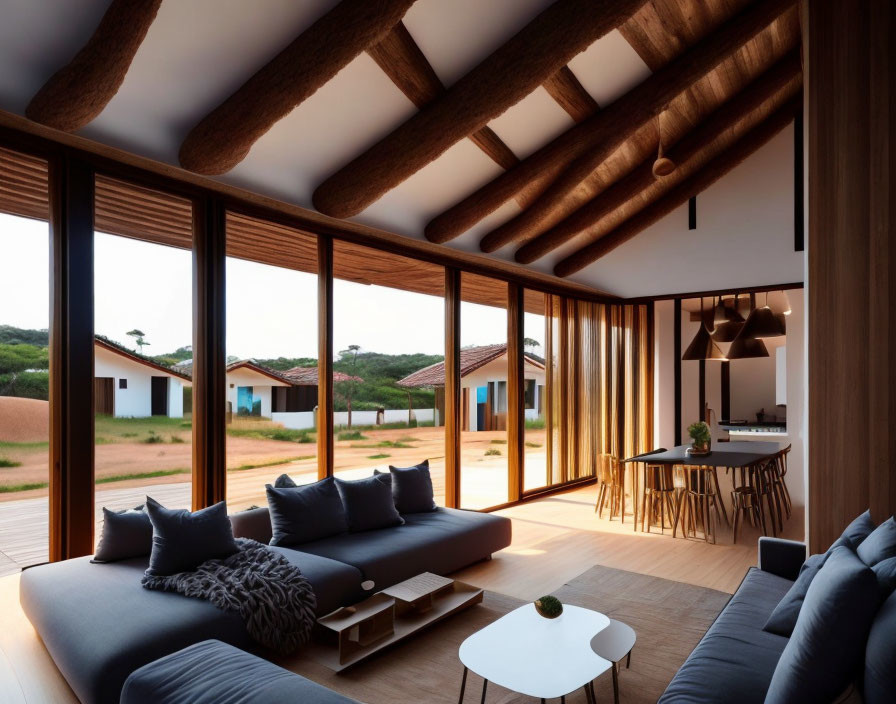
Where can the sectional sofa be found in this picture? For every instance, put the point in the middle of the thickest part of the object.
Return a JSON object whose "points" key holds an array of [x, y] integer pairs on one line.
{"points": [[100, 625]]}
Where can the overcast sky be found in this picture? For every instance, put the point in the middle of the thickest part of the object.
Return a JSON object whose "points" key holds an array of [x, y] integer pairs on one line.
{"points": [[271, 312]]}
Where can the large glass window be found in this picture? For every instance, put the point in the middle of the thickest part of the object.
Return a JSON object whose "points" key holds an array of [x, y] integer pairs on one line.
{"points": [[143, 320], [483, 381], [271, 358], [388, 368], [537, 465], [24, 362]]}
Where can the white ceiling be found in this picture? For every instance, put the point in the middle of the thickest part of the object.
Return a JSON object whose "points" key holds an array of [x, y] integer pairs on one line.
{"points": [[198, 52]]}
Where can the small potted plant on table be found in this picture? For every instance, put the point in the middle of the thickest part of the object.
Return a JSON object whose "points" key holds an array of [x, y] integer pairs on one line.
{"points": [[701, 437], [549, 606]]}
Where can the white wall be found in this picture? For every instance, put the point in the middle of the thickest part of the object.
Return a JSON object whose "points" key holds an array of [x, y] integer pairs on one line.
{"points": [[136, 400], [305, 419], [496, 370], [299, 420], [261, 388], [175, 398]]}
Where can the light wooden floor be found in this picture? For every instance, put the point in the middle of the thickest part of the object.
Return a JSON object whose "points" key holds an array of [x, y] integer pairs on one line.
{"points": [[554, 540]]}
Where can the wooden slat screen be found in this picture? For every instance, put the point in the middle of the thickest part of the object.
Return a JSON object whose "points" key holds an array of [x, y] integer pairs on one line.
{"points": [[24, 185], [128, 210], [599, 384]]}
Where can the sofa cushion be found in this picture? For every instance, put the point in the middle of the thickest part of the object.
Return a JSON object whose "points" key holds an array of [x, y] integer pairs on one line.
{"points": [[183, 540], [885, 571], [440, 541], [368, 504], [213, 672], [412, 488], [284, 481], [880, 545], [880, 655], [828, 643], [735, 660], [783, 618], [305, 513], [335, 583], [853, 535], [125, 534], [99, 624]]}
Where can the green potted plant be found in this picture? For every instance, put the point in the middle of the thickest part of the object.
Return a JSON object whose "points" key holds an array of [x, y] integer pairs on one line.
{"points": [[701, 437], [549, 606]]}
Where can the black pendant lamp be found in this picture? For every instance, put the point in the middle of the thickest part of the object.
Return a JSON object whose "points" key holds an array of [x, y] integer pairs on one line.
{"points": [[762, 323], [702, 346], [729, 330], [746, 346]]}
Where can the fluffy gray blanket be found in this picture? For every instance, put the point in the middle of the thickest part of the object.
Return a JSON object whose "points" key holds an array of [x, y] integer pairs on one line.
{"points": [[272, 596]]}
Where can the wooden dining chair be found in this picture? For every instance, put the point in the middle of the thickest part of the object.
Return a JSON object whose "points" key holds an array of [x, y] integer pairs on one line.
{"points": [[659, 496], [697, 504], [611, 486], [779, 482], [762, 481]]}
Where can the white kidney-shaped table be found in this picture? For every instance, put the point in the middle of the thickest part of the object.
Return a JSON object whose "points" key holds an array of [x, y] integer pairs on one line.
{"points": [[536, 656]]}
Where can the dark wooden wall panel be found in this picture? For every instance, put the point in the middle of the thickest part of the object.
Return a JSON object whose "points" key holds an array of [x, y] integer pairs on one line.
{"points": [[850, 77], [71, 358]]}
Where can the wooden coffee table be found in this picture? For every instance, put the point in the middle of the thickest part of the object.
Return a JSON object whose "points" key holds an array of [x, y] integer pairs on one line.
{"points": [[351, 634]]}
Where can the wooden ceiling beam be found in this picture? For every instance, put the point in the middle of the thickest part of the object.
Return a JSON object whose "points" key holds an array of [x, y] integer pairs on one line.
{"points": [[404, 63], [681, 192], [79, 91], [714, 125], [223, 138], [571, 95], [513, 71], [583, 147]]}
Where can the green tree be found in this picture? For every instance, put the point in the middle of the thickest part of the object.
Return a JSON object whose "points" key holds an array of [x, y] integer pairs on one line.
{"points": [[139, 338], [19, 360], [347, 388], [529, 343]]}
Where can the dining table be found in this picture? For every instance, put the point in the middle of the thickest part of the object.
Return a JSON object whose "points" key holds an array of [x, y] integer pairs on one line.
{"points": [[723, 454]]}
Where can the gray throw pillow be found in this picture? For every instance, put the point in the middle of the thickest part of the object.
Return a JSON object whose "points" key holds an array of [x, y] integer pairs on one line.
{"points": [[284, 481], [783, 618], [181, 540], [885, 571], [412, 488], [368, 504], [880, 656], [126, 534], [305, 513], [855, 532], [880, 545], [828, 643]]}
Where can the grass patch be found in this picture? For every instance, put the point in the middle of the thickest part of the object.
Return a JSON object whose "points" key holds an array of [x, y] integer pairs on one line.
{"points": [[270, 463], [407, 438], [535, 424], [388, 426], [176, 440], [186, 425], [129, 435], [9, 463], [102, 440], [533, 444], [12, 488], [380, 456], [492, 451], [23, 445], [350, 435], [140, 475], [395, 444], [498, 442], [153, 439], [272, 433]]}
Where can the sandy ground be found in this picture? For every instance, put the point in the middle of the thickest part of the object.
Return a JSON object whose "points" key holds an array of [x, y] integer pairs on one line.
{"points": [[24, 419], [483, 478]]}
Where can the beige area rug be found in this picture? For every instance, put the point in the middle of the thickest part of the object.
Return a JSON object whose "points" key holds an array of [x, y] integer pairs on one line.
{"points": [[668, 617]]}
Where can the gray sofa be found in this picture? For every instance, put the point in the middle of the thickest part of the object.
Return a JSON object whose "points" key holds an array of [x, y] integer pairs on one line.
{"points": [[100, 625], [735, 660], [213, 672]]}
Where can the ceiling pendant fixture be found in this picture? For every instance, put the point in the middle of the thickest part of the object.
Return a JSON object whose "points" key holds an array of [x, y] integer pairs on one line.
{"points": [[763, 323], [745, 346], [663, 166], [729, 330], [720, 312], [779, 302], [702, 346]]}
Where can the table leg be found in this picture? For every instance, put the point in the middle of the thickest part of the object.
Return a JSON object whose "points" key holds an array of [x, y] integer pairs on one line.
{"points": [[463, 686], [588, 697], [636, 499], [484, 685], [615, 685]]}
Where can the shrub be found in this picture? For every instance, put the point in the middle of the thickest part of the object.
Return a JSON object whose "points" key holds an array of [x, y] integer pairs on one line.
{"points": [[492, 451], [498, 442], [533, 444], [153, 438], [176, 440], [9, 463], [350, 435], [380, 456]]}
